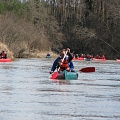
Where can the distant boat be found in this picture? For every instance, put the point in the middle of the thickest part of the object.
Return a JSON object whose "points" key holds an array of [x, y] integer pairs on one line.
{"points": [[48, 56], [80, 58], [99, 59], [117, 60], [88, 59], [6, 60]]}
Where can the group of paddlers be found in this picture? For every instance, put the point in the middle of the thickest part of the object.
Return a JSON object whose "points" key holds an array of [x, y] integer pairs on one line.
{"points": [[88, 56]]}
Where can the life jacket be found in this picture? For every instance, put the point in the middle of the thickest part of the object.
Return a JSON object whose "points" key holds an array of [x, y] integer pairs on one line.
{"points": [[3, 54], [103, 57], [64, 65]]}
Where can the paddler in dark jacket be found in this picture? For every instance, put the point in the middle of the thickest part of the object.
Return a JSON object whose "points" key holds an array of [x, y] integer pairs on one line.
{"points": [[3, 55], [63, 62]]}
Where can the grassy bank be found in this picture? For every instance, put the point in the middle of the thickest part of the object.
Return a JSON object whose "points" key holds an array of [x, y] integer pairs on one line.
{"points": [[26, 53]]}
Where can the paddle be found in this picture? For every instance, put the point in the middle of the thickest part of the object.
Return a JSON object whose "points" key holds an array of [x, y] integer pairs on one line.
{"points": [[55, 74], [88, 69]]}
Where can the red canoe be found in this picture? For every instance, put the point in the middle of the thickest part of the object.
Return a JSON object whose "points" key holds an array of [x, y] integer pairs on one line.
{"points": [[78, 58], [117, 60], [99, 59], [6, 60]]}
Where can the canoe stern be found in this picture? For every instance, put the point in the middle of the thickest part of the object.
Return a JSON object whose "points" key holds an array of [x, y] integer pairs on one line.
{"points": [[70, 75]]}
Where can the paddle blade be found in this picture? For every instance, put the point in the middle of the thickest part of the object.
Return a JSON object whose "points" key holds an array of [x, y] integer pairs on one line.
{"points": [[88, 69], [54, 75]]}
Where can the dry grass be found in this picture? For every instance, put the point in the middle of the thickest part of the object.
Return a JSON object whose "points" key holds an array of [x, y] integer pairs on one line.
{"points": [[42, 54], [35, 53]]}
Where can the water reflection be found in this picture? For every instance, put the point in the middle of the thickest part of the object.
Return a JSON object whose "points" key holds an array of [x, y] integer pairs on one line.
{"points": [[60, 82], [28, 93]]}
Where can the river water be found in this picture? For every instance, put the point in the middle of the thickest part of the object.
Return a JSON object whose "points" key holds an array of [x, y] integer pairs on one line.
{"points": [[27, 93]]}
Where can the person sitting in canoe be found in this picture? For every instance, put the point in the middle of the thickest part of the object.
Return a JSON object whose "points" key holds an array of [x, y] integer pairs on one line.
{"points": [[103, 57], [76, 56], [48, 55], [63, 62], [3, 55], [97, 57], [82, 56]]}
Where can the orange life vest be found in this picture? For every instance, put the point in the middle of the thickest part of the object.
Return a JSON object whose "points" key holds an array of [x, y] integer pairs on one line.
{"points": [[64, 65]]}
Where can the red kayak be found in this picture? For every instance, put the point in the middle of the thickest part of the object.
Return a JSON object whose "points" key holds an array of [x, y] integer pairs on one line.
{"points": [[6, 60], [80, 58], [100, 59], [117, 60]]}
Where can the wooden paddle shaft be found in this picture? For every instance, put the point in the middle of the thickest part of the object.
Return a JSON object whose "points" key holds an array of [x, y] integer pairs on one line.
{"points": [[62, 60]]}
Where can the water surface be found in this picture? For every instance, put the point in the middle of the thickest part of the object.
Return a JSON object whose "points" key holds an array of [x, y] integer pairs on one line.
{"points": [[27, 93]]}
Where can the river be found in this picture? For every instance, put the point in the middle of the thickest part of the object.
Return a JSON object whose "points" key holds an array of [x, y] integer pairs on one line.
{"points": [[27, 93]]}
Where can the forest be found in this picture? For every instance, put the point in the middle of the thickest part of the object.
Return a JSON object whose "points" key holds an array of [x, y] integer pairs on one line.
{"points": [[85, 26]]}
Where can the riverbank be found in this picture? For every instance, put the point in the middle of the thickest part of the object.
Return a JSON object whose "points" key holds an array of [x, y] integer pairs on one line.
{"points": [[26, 53]]}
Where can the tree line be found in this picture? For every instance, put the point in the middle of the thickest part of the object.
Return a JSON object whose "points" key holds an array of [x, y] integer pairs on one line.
{"points": [[86, 26]]}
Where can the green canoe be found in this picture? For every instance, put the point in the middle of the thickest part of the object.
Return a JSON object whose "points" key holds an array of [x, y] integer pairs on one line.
{"points": [[48, 57], [68, 75]]}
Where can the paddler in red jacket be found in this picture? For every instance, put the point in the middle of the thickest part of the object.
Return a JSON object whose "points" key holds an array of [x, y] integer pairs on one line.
{"points": [[63, 62], [3, 55]]}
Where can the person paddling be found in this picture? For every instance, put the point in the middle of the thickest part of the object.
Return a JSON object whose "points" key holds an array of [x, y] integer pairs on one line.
{"points": [[48, 54], [3, 55], [63, 62]]}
